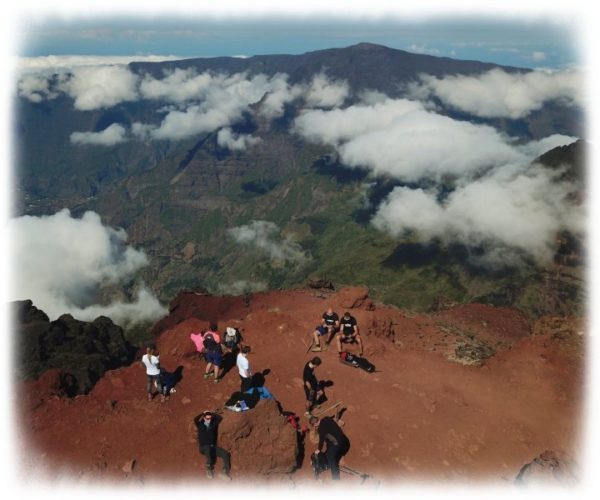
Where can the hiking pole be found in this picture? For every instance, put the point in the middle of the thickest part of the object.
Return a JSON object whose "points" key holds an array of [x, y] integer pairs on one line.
{"points": [[327, 409], [354, 472]]}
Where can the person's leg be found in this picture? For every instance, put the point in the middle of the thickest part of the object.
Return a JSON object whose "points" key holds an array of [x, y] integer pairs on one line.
{"points": [[226, 457], [330, 334], [333, 459], [210, 455], [360, 346], [338, 340], [149, 381], [209, 367], [316, 340], [246, 383]]}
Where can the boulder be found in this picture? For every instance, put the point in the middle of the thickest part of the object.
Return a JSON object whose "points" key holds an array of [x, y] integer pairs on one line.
{"points": [[261, 440], [549, 468], [355, 297]]}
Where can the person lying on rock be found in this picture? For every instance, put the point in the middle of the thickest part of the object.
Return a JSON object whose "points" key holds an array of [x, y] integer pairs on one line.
{"points": [[151, 361], [311, 384], [207, 424], [338, 444], [349, 333]]}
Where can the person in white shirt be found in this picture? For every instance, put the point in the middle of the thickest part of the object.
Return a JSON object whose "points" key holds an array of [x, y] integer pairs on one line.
{"points": [[244, 368], [151, 361]]}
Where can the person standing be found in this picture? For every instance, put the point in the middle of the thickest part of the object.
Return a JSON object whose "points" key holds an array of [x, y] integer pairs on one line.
{"points": [[338, 444], [151, 362], [207, 425], [310, 383], [213, 354], [243, 366]]}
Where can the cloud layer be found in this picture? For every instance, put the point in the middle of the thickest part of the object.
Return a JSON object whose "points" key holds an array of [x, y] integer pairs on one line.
{"points": [[61, 262], [265, 236], [501, 94]]}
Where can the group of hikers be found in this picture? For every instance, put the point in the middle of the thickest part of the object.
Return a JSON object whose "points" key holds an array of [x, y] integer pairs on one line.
{"points": [[332, 442]]}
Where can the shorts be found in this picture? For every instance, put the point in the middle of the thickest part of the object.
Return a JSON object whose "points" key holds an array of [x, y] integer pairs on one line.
{"points": [[214, 357], [321, 330]]}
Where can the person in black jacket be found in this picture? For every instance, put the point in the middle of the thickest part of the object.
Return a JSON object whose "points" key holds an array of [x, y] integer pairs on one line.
{"points": [[207, 424], [338, 444], [310, 384]]}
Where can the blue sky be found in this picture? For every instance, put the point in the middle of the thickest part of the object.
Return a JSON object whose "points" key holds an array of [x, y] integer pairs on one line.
{"points": [[530, 43]]}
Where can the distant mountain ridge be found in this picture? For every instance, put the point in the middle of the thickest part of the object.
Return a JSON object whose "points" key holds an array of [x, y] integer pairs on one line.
{"points": [[365, 66]]}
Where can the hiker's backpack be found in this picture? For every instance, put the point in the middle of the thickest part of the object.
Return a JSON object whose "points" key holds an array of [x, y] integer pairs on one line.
{"points": [[210, 344], [319, 463], [357, 362], [232, 337]]}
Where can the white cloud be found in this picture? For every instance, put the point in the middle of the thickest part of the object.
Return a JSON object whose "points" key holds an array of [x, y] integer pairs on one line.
{"points": [[227, 139], [265, 236], [113, 134], [538, 56], [534, 149], [241, 287], [402, 139], [95, 87], [323, 93], [38, 88], [523, 211], [60, 262], [27, 64], [500, 94], [178, 85]]}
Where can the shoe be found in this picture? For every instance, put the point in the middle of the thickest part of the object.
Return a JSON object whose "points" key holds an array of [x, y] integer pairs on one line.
{"points": [[308, 414], [217, 380], [225, 475], [316, 349], [207, 375], [162, 398], [210, 474], [149, 397]]}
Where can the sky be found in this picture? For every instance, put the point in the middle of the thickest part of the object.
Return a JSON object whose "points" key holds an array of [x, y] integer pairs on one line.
{"points": [[547, 34], [532, 43]]}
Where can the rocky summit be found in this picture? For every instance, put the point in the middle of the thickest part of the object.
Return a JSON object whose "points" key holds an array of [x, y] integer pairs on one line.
{"points": [[468, 393]]}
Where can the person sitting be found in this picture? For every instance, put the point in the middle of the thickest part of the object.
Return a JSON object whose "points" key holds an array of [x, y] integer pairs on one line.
{"points": [[232, 339], [349, 333], [320, 331], [331, 321]]}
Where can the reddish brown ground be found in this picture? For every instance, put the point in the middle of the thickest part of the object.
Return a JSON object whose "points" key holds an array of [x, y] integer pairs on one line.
{"points": [[420, 417]]}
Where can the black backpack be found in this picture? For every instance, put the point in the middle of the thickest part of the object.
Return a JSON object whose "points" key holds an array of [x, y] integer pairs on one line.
{"points": [[210, 344], [357, 362]]}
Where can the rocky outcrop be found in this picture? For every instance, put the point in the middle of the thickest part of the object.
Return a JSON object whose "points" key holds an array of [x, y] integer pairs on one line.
{"points": [[549, 468], [81, 351], [261, 439]]}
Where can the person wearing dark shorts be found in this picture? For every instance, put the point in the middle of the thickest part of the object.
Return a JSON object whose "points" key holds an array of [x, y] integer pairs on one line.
{"points": [[212, 352], [310, 383], [319, 332], [207, 425], [349, 333], [338, 444]]}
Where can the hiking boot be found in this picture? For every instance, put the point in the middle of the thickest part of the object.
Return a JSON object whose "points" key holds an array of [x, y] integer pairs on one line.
{"points": [[308, 414], [210, 474], [317, 348], [207, 375], [217, 380], [225, 475]]}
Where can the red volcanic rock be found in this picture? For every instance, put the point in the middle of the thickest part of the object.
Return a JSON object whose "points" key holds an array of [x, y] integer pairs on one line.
{"points": [[261, 440], [355, 297], [419, 417]]}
